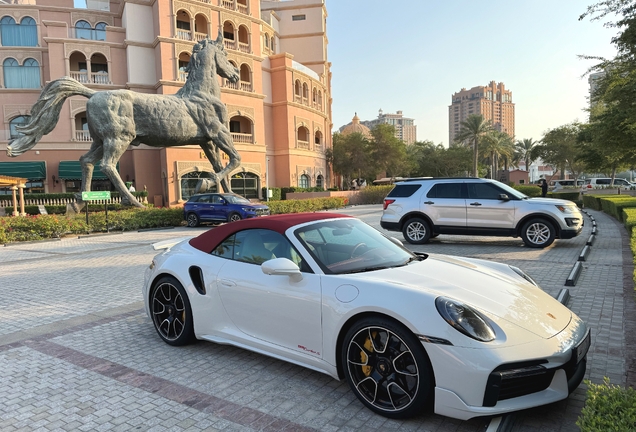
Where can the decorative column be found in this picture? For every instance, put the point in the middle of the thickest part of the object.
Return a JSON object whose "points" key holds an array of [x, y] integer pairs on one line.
{"points": [[21, 187], [15, 201]]}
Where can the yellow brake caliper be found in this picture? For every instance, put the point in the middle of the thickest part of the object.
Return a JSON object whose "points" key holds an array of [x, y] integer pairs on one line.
{"points": [[366, 370]]}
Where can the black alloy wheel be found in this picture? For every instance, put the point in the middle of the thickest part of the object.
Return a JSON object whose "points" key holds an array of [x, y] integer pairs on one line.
{"points": [[387, 368], [192, 220], [171, 312]]}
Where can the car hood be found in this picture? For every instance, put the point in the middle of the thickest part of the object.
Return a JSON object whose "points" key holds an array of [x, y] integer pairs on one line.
{"points": [[552, 201], [497, 294]]}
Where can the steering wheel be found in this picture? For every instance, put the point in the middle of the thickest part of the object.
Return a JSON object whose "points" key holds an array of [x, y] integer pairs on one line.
{"points": [[356, 248]]}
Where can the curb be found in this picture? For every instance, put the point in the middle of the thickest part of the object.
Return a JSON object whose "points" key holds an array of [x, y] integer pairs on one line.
{"points": [[578, 267], [32, 241]]}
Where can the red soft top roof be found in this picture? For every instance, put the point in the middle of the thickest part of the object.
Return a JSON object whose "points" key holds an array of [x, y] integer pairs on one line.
{"points": [[209, 240]]}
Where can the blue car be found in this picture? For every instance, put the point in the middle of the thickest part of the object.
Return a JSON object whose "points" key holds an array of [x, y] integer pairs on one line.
{"points": [[220, 207]]}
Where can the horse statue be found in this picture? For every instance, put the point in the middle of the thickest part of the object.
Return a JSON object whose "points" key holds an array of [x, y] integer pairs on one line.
{"points": [[119, 118]]}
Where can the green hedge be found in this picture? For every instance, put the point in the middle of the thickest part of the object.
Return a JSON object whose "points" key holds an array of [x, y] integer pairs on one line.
{"points": [[61, 209], [531, 191], [306, 205], [71, 195], [608, 408]]}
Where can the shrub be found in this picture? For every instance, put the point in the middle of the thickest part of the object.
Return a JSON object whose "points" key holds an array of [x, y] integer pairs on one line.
{"points": [[276, 193], [306, 205], [592, 201], [14, 229], [531, 191], [608, 408], [570, 196], [614, 205], [373, 194]]}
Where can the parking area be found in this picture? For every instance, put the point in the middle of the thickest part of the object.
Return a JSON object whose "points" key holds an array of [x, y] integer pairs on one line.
{"points": [[78, 352]]}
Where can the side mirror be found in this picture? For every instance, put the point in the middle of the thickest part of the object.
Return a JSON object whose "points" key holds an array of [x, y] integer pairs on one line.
{"points": [[504, 197], [282, 267]]}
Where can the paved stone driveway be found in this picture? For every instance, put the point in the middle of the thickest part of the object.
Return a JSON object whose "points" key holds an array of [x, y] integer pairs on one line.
{"points": [[78, 353]]}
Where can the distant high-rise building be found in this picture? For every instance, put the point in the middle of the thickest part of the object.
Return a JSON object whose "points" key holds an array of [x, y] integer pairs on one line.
{"points": [[405, 128], [592, 80], [493, 102]]}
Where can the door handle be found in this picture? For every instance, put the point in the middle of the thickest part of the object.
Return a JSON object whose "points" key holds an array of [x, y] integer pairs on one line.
{"points": [[429, 202], [475, 204], [227, 282]]}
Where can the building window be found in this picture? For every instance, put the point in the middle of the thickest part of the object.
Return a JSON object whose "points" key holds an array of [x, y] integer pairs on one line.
{"points": [[100, 31], [25, 76], [298, 17], [23, 34], [245, 184], [303, 181], [189, 182], [18, 121], [320, 181]]}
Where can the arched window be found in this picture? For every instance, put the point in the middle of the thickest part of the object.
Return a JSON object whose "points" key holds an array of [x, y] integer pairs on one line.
{"points": [[25, 76], [100, 31], [305, 91], [303, 181], [83, 30], [266, 41], [320, 182], [18, 121], [245, 184], [189, 182], [271, 45], [23, 34], [318, 138], [297, 88]]}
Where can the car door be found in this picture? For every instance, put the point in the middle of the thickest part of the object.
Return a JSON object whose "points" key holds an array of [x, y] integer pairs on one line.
{"points": [[485, 209], [203, 208], [445, 204], [218, 208], [272, 308]]}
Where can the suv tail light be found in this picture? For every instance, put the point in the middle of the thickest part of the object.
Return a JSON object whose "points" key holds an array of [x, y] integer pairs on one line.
{"points": [[589, 186], [387, 202]]}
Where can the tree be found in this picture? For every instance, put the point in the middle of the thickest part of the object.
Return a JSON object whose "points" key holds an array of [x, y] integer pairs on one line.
{"points": [[387, 153], [472, 130], [497, 144], [350, 156], [523, 151], [429, 160], [559, 147]]}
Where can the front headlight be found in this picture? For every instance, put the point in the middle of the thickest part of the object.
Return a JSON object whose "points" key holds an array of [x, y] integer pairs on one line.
{"points": [[465, 319], [249, 209], [566, 209], [524, 275]]}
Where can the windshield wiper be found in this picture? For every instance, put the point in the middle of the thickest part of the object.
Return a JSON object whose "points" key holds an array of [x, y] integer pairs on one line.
{"points": [[366, 269]]}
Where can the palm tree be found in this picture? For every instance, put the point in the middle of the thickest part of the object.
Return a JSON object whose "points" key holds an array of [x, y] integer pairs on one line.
{"points": [[497, 144], [472, 130], [524, 150]]}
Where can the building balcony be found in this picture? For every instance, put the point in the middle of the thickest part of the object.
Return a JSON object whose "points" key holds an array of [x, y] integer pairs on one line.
{"points": [[83, 135], [317, 147], [298, 99], [100, 78], [235, 6], [243, 138], [303, 145], [229, 44], [184, 34], [239, 85], [244, 47], [182, 76], [80, 76], [198, 37]]}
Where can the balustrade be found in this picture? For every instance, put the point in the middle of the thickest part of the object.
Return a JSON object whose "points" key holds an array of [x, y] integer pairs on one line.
{"points": [[183, 76], [198, 37], [242, 138], [100, 78], [244, 47], [83, 135], [229, 44], [184, 34], [303, 145], [80, 76]]}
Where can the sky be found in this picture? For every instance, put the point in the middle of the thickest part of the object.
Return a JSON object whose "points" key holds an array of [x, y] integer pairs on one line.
{"points": [[412, 55]]}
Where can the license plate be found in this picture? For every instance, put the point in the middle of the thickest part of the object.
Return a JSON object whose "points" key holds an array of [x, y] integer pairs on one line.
{"points": [[581, 349]]}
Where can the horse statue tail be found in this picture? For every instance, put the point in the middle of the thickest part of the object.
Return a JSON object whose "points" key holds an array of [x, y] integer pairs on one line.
{"points": [[45, 113]]}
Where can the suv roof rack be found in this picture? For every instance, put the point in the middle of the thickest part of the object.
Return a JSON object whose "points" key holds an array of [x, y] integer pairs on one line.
{"points": [[439, 178]]}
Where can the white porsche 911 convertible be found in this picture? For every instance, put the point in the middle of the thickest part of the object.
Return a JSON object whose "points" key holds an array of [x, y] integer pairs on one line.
{"points": [[408, 331]]}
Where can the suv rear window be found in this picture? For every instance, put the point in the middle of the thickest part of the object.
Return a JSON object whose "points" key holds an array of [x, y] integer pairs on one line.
{"points": [[403, 191]]}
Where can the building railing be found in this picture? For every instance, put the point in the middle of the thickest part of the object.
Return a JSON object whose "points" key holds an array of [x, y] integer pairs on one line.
{"points": [[303, 144], [182, 76], [235, 6], [184, 34], [242, 138], [317, 147], [86, 33], [239, 85], [244, 47], [83, 135], [96, 77], [198, 37], [229, 44], [298, 98], [7, 201]]}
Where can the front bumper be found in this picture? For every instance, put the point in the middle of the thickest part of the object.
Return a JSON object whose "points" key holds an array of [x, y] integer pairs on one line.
{"points": [[471, 384]]}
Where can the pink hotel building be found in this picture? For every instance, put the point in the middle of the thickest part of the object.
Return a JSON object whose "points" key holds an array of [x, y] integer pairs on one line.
{"points": [[279, 110]]}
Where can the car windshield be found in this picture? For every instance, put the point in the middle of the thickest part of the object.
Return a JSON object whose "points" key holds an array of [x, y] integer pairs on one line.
{"points": [[510, 191], [236, 199], [351, 246]]}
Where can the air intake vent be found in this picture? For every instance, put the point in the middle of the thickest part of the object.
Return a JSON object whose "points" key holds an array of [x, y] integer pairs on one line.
{"points": [[197, 279]]}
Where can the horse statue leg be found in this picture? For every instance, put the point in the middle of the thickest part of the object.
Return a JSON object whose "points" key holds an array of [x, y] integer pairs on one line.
{"points": [[113, 150], [213, 156], [223, 140], [87, 161]]}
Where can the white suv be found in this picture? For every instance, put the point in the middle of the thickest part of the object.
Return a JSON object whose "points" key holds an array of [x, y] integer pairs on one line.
{"points": [[424, 208], [604, 183]]}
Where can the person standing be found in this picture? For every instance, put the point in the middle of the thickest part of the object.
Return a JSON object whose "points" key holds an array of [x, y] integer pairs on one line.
{"points": [[544, 188]]}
